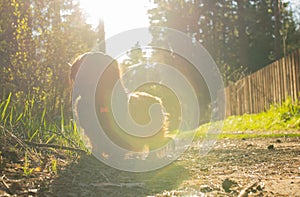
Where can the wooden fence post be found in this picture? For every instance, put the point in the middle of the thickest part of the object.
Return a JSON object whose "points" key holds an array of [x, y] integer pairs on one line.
{"points": [[272, 84]]}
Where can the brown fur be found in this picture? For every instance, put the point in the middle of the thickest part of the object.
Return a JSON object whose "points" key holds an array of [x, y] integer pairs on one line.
{"points": [[140, 101]]}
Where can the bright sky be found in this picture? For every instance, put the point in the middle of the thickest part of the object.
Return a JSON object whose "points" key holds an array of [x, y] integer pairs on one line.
{"points": [[122, 15], [118, 15]]}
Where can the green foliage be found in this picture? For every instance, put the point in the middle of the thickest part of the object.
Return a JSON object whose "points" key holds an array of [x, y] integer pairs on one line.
{"points": [[37, 40], [26, 168], [280, 117], [242, 35], [29, 121], [54, 166], [135, 56]]}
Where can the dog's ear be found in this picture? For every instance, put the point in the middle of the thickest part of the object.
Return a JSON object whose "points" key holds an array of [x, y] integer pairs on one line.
{"points": [[114, 67], [75, 66]]}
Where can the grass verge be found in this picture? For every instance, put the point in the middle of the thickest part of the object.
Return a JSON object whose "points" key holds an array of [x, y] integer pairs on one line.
{"points": [[32, 122], [280, 120]]}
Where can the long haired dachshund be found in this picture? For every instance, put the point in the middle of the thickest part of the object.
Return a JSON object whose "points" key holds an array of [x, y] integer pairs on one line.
{"points": [[139, 104]]}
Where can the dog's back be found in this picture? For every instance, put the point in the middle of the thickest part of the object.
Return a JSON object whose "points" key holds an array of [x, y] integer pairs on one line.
{"points": [[139, 103]]}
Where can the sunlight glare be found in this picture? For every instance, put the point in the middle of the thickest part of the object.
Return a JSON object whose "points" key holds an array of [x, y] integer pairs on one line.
{"points": [[118, 15]]}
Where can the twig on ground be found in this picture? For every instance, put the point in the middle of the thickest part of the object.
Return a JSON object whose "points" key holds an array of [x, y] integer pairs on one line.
{"points": [[22, 144], [127, 185], [4, 183], [62, 135], [55, 146], [243, 192], [25, 144]]}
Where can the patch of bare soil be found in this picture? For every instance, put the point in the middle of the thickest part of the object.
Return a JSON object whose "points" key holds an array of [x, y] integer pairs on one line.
{"points": [[247, 167], [234, 167]]}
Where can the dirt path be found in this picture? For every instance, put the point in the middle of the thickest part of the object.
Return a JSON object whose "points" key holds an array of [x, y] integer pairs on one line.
{"points": [[253, 167]]}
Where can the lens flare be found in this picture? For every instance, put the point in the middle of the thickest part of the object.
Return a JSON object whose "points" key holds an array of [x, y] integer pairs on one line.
{"points": [[126, 119]]}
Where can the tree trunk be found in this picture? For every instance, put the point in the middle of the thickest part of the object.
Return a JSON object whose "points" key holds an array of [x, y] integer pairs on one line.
{"points": [[277, 28], [243, 39]]}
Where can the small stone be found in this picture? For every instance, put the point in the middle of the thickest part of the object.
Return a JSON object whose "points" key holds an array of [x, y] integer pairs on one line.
{"points": [[205, 188], [227, 183]]}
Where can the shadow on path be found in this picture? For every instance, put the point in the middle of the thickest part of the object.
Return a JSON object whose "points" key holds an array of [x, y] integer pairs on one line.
{"points": [[89, 177]]}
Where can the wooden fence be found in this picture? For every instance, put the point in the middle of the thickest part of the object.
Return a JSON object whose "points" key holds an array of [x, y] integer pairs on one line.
{"points": [[271, 84]]}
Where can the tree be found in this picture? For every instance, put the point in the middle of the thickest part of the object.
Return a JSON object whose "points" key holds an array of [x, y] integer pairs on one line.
{"points": [[21, 58], [101, 37], [135, 56], [237, 33], [242, 36], [278, 29], [8, 44], [37, 40]]}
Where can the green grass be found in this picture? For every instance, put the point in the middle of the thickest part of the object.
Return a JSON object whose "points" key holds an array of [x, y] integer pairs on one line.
{"points": [[274, 122], [262, 135], [33, 121]]}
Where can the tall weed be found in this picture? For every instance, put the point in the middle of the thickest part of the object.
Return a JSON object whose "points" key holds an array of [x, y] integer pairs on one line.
{"points": [[29, 118], [280, 117]]}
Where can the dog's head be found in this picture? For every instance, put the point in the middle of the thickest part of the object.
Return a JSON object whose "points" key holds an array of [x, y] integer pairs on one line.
{"points": [[113, 69]]}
